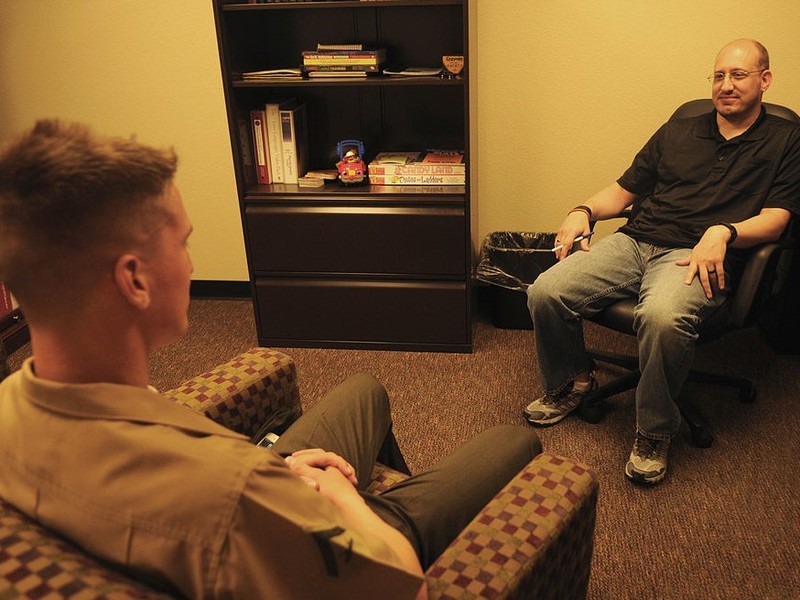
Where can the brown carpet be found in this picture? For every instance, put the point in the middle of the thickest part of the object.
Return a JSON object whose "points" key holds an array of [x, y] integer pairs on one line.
{"points": [[723, 524]]}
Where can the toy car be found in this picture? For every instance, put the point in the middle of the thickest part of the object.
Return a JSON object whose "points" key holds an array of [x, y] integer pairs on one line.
{"points": [[351, 166]]}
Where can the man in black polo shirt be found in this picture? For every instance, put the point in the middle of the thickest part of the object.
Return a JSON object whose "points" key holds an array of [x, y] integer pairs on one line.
{"points": [[703, 190]]}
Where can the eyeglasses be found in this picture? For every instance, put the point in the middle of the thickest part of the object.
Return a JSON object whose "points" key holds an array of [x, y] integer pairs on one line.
{"points": [[737, 75]]}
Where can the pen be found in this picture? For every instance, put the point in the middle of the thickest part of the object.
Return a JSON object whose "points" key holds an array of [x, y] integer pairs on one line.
{"points": [[577, 239]]}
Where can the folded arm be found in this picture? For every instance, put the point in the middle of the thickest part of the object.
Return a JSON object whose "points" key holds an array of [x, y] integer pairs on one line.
{"points": [[334, 478]]}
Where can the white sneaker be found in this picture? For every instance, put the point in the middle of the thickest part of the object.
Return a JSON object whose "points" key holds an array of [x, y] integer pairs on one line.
{"points": [[550, 409], [648, 460]]}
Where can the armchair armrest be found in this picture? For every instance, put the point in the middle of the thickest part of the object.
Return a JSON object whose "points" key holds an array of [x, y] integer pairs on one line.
{"points": [[246, 391], [36, 563], [533, 540]]}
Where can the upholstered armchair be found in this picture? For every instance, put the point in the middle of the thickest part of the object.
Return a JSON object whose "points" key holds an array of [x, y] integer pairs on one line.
{"points": [[533, 540]]}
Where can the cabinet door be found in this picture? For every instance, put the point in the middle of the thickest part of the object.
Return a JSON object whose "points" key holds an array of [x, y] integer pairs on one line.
{"points": [[346, 313], [411, 240]]}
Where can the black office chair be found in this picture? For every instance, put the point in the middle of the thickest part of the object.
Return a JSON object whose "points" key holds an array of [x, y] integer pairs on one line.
{"points": [[763, 277]]}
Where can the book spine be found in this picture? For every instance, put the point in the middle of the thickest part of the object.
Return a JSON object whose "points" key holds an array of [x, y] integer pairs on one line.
{"points": [[339, 47], [246, 148], [273, 117], [301, 140], [338, 55], [294, 131], [453, 157], [6, 304], [259, 145], [341, 67], [417, 169], [344, 60], [417, 179]]}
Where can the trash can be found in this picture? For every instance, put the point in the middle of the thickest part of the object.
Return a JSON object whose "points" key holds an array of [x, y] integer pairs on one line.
{"points": [[509, 262]]}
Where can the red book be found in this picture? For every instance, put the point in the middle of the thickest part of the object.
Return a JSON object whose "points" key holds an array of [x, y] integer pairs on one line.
{"points": [[6, 306], [444, 156], [260, 146]]}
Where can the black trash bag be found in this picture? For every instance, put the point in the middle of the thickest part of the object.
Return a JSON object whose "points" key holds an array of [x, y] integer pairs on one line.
{"points": [[513, 260]]}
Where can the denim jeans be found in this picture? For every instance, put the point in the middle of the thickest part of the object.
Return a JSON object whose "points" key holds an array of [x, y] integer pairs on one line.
{"points": [[665, 320]]}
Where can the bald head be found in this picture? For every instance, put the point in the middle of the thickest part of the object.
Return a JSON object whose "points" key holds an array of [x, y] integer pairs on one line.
{"points": [[747, 48]]}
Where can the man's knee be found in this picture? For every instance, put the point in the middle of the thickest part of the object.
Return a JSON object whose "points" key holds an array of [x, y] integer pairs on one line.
{"points": [[366, 389], [540, 292], [659, 320], [519, 441]]}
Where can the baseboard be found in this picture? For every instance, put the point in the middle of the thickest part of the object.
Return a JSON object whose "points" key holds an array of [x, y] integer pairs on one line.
{"points": [[220, 289]]}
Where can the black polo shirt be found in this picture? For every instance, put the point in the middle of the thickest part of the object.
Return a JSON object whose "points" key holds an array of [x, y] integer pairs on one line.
{"points": [[688, 177]]}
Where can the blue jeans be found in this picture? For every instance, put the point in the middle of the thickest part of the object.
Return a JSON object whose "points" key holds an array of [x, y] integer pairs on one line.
{"points": [[665, 320]]}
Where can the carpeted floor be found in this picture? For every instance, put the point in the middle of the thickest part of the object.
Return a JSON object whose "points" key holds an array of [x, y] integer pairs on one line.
{"points": [[723, 524]]}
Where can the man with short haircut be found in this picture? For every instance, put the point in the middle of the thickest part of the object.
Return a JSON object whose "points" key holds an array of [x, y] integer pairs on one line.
{"points": [[93, 243], [703, 190]]}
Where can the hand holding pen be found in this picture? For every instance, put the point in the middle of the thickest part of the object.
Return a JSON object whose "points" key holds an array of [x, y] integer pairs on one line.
{"points": [[577, 239]]}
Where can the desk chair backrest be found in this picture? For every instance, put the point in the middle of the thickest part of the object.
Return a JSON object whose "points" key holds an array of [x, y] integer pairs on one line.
{"points": [[693, 108]]}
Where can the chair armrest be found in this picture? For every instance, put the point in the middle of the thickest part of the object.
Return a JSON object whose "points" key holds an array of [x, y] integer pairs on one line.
{"points": [[533, 540], [36, 563], [245, 392], [769, 262]]}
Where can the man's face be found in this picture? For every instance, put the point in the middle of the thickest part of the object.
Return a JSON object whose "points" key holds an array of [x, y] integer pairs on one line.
{"points": [[742, 81], [171, 268]]}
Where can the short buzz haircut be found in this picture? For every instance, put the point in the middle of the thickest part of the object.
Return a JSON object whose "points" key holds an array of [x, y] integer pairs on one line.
{"points": [[65, 193]]}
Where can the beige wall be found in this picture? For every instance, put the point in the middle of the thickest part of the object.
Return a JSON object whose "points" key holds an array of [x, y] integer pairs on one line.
{"points": [[143, 67], [565, 92], [570, 90]]}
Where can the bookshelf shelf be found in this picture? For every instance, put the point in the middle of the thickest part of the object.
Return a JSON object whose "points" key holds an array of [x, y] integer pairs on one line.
{"points": [[362, 4], [372, 80], [364, 266]]}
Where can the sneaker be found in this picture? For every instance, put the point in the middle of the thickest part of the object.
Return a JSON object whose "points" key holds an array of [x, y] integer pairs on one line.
{"points": [[648, 460], [550, 409]]}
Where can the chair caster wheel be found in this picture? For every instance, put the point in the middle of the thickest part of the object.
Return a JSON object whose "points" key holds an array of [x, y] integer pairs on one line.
{"points": [[592, 411]]}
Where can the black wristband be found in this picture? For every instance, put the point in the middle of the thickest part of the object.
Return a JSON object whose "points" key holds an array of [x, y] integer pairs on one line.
{"points": [[732, 229], [583, 208]]}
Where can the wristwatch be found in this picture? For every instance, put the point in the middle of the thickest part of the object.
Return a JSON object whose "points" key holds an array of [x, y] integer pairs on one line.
{"points": [[732, 229]]}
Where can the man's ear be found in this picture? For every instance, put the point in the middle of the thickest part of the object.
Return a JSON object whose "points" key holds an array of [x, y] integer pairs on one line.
{"points": [[131, 280], [766, 80]]}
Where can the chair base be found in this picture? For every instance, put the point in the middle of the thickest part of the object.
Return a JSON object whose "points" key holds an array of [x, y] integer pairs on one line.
{"points": [[592, 409]]}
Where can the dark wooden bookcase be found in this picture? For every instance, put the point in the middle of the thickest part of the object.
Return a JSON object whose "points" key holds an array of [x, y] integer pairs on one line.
{"points": [[355, 267]]}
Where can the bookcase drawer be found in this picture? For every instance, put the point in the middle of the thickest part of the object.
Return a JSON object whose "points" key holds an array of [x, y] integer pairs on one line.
{"points": [[341, 313], [357, 240]]}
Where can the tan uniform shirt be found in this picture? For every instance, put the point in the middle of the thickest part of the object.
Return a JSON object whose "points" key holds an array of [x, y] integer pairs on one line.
{"points": [[177, 499]]}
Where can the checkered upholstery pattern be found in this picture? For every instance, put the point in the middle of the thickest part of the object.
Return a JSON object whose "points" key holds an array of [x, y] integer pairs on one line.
{"points": [[533, 540], [241, 393], [382, 478], [35, 563]]}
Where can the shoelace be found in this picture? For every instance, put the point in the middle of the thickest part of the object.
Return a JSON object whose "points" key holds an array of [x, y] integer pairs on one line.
{"points": [[646, 448]]}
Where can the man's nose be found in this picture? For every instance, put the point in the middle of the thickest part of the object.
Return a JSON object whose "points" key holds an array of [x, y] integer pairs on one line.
{"points": [[727, 82]]}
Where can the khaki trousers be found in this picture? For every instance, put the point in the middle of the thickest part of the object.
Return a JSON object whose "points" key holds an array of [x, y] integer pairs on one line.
{"points": [[429, 508]]}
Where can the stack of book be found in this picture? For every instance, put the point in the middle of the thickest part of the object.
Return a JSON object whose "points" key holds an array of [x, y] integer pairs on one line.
{"points": [[274, 142], [342, 60], [287, 73], [434, 167]]}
